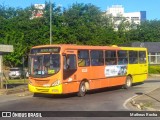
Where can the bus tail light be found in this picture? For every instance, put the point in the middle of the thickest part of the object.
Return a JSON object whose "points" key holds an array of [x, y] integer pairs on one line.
{"points": [[56, 83]]}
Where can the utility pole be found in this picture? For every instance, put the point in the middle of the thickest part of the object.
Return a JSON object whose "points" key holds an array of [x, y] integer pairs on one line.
{"points": [[50, 22], [1, 72]]}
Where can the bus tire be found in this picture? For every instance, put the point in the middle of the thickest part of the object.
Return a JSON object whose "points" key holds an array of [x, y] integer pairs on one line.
{"points": [[82, 89], [128, 82]]}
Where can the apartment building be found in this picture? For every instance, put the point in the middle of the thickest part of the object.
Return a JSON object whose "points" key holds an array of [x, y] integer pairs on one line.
{"points": [[118, 14]]}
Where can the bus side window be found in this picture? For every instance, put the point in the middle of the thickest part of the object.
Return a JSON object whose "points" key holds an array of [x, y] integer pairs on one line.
{"points": [[133, 57], [83, 58], [122, 57], [81, 62], [110, 57], [97, 57], [142, 57]]}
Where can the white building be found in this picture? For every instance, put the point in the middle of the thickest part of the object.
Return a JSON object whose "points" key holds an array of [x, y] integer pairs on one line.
{"points": [[118, 14]]}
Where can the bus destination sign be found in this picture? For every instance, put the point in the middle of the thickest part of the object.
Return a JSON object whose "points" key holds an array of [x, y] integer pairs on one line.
{"points": [[45, 50]]}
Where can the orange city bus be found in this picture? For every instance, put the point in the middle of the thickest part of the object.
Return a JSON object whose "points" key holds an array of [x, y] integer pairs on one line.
{"points": [[62, 69]]}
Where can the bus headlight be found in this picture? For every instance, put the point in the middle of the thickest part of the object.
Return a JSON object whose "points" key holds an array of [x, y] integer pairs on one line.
{"points": [[56, 83]]}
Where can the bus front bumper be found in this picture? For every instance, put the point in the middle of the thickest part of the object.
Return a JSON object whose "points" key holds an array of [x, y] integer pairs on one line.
{"points": [[47, 90]]}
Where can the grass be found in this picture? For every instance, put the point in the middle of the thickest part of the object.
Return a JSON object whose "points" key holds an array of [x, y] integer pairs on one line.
{"points": [[154, 69], [147, 105], [16, 81]]}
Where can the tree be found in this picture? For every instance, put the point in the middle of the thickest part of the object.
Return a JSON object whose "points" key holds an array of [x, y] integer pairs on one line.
{"points": [[79, 24], [87, 24], [147, 31]]}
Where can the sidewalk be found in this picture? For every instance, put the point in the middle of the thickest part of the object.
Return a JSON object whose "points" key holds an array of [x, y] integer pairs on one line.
{"points": [[147, 102], [21, 90]]}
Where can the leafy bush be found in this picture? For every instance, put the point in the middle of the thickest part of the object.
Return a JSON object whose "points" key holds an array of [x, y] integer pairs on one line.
{"points": [[154, 69]]}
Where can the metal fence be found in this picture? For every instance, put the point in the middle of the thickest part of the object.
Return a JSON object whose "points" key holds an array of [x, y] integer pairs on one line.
{"points": [[6, 83]]}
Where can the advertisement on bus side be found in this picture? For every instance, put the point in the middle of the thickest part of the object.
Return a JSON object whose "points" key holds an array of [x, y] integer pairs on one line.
{"points": [[115, 70]]}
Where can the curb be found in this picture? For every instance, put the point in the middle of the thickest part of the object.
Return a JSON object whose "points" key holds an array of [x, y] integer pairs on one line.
{"points": [[24, 94], [14, 91], [17, 92], [142, 106], [154, 75], [2, 92]]}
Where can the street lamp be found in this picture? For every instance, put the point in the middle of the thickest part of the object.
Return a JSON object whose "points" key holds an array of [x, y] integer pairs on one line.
{"points": [[50, 22]]}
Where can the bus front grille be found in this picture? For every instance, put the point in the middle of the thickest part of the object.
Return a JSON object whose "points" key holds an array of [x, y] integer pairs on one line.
{"points": [[42, 90]]}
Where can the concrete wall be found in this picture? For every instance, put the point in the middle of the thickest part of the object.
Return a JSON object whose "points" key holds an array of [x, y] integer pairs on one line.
{"points": [[4, 49]]}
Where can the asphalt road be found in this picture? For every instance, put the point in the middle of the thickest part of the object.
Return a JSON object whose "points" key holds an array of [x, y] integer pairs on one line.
{"points": [[112, 99]]}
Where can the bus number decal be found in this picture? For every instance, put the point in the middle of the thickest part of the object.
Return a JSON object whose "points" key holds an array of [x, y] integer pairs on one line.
{"points": [[115, 70], [84, 70]]}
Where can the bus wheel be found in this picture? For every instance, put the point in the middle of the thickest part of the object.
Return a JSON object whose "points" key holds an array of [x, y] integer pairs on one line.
{"points": [[128, 82], [82, 89]]}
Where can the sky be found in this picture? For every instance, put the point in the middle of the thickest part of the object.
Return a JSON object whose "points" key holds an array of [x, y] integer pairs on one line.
{"points": [[152, 7]]}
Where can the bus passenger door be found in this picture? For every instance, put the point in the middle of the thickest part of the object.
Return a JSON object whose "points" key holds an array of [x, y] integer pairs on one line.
{"points": [[70, 66], [69, 70]]}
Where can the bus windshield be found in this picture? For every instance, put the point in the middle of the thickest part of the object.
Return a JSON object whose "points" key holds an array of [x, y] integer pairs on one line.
{"points": [[44, 65]]}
